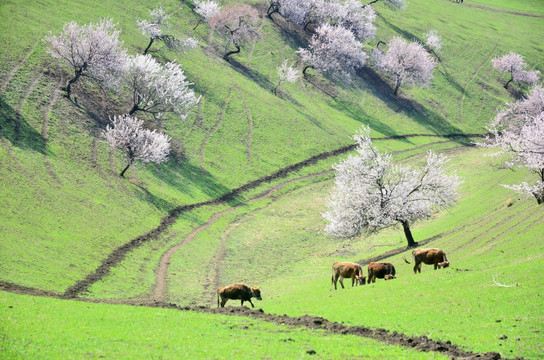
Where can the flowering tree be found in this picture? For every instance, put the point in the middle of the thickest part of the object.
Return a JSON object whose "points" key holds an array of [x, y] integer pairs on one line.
{"points": [[335, 51], [157, 88], [206, 10], [93, 51], [137, 143], [514, 64], [352, 16], [154, 30], [405, 62], [433, 42], [519, 132], [297, 11], [286, 73], [371, 193], [237, 25]]}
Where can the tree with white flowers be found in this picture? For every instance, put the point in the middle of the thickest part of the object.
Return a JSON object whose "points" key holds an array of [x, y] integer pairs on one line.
{"points": [[126, 133], [514, 64], [93, 51], [207, 9], [433, 42], [156, 88], [405, 63], [154, 30], [286, 73], [519, 132], [333, 50], [371, 193], [237, 25]]}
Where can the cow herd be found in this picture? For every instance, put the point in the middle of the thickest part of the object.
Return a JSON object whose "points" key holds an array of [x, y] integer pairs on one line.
{"points": [[341, 271]]}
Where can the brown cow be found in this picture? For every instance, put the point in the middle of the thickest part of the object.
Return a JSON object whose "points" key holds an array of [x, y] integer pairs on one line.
{"points": [[238, 291], [436, 257], [347, 270], [379, 270]]}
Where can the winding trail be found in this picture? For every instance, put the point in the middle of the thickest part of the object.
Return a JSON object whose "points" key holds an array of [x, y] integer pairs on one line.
{"points": [[28, 90], [12, 72], [214, 129], [468, 83], [117, 255], [502, 10], [249, 117]]}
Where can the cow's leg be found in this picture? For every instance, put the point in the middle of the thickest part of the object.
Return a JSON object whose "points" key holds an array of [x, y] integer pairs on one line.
{"points": [[251, 303], [415, 268], [352, 280], [436, 266], [335, 281], [342, 282], [419, 268], [223, 301], [242, 302]]}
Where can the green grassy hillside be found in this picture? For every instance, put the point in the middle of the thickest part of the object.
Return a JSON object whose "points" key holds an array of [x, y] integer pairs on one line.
{"points": [[64, 208]]}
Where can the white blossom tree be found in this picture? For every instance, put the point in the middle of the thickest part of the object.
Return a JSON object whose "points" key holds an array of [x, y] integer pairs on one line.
{"points": [[296, 11], [136, 142], [433, 42], [515, 65], [154, 30], [519, 132], [371, 193], [156, 88], [405, 63], [286, 73], [333, 50], [93, 51], [207, 9], [352, 16], [237, 25]]}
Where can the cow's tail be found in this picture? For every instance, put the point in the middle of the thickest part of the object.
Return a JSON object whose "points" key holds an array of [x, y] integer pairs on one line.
{"points": [[218, 299], [445, 258], [406, 260]]}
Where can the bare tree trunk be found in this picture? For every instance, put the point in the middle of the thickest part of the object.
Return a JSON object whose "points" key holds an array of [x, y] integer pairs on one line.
{"points": [[225, 57], [305, 68], [122, 174], [408, 233], [397, 86], [68, 87], [148, 46], [271, 10], [198, 23], [540, 196]]}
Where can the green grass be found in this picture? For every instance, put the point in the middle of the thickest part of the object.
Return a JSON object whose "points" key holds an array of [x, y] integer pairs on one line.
{"points": [[40, 328]]}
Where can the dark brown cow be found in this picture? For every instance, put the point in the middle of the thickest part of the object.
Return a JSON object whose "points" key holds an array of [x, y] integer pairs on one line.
{"points": [[238, 291], [344, 270], [436, 257], [379, 270]]}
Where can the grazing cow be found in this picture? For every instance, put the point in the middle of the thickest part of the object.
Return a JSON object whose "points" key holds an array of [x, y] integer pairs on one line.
{"points": [[379, 270], [389, 277], [238, 291], [436, 257], [347, 270]]}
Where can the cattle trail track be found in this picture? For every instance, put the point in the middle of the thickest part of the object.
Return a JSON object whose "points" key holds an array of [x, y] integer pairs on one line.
{"points": [[27, 92], [45, 128], [117, 255], [12, 72], [502, 11], [468, 83], [249, 118], [214, 129]]}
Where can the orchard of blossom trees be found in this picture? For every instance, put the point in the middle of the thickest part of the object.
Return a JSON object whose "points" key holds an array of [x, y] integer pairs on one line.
{"points": [[95, 52]]}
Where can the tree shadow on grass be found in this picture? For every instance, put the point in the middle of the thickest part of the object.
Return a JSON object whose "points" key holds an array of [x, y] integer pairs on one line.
{"points": [[14, 127], [424, 116], [253, 75]]}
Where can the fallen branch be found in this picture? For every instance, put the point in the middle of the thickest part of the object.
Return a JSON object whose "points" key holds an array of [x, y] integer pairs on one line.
{"points": [[502, 285]]}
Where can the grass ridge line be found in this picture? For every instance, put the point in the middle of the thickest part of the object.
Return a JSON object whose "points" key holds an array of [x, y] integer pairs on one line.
{"points": [[119, 254]]}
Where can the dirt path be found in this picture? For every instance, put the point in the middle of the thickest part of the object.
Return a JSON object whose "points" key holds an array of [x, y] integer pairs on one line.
{"points": [[117, 255], [418, 343]]}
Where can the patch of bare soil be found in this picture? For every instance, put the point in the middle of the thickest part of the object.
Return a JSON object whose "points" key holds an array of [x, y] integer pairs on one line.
{"points": [[419, 343]]}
